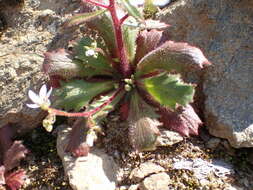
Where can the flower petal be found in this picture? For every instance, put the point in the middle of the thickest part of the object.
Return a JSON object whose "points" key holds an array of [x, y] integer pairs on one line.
{"points": [[49, 92], [43, 91], [34, 97], [32, 106]]}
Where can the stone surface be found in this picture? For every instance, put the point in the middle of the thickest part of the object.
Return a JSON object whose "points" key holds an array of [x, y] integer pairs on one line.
{"points": [[96, 171], [223, 30], [213, 143], [168, 138], [159, 181], [31, 30], [144, 170]]}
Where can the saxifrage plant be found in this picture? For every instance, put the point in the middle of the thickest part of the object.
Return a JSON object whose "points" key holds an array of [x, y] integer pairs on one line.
{"points": [[126, 66]]}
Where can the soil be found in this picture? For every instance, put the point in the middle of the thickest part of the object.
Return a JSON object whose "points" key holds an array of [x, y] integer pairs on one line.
{"points": [[45, 171], [43, 166]]}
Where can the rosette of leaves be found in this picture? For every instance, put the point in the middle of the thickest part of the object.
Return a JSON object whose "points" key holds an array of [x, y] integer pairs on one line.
{"points": [[149, 95]]}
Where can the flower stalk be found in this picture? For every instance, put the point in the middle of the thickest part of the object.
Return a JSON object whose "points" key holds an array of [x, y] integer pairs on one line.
{"points": [[124, 66], [87, 113]]}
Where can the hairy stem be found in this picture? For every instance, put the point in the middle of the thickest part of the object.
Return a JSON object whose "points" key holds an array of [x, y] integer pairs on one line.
{"points": [[87, 113], [125, 67]]}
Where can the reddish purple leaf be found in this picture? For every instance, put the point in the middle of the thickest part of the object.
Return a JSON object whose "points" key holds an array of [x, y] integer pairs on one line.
{"points": [[76, 144], [146, 42], [2, 178], [59, 63], [13, 156], [184, 120], [172, 56], [143, 124], [16, 179]]}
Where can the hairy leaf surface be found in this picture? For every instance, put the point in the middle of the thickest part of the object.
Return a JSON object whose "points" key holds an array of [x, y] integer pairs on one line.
{"points": [[83, 17], [78, 93], [61, 63], [146, 42], [184, 120], [143, 130], [130, 36], [172, 56], [77, 145], [169, 90]]}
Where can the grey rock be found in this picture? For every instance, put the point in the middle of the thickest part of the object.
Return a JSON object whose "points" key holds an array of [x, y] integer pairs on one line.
{"points": [[168, 138], [144, 170], [213, 143], [159, 181], [21, 56], [96, 171], [223, 30]]}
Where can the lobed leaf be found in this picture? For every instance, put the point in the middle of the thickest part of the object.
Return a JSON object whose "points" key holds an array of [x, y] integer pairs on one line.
{"points": [[169, 90], [130, 35], [83, 17], [143, 130], [132, 10], [172, 56], [13, 156], [184, 120], [146, 42], [78, 93], [99, 62]]}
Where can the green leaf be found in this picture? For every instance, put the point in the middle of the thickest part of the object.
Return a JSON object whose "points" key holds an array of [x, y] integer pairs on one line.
{"points": [[132, 10], [142, 119], [172, 56], [78, 93], [98, 61], [169, 90], [103, 25], [100, 115], [84, 17], [130, 36]]}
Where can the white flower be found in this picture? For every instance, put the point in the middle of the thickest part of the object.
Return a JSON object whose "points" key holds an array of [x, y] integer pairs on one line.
{"points": [[90, 52], [42, 100]]}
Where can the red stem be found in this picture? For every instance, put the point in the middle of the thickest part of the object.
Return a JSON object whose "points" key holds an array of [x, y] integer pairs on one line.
{"points": [[123, 19], [125, 67], [88, 113]]}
